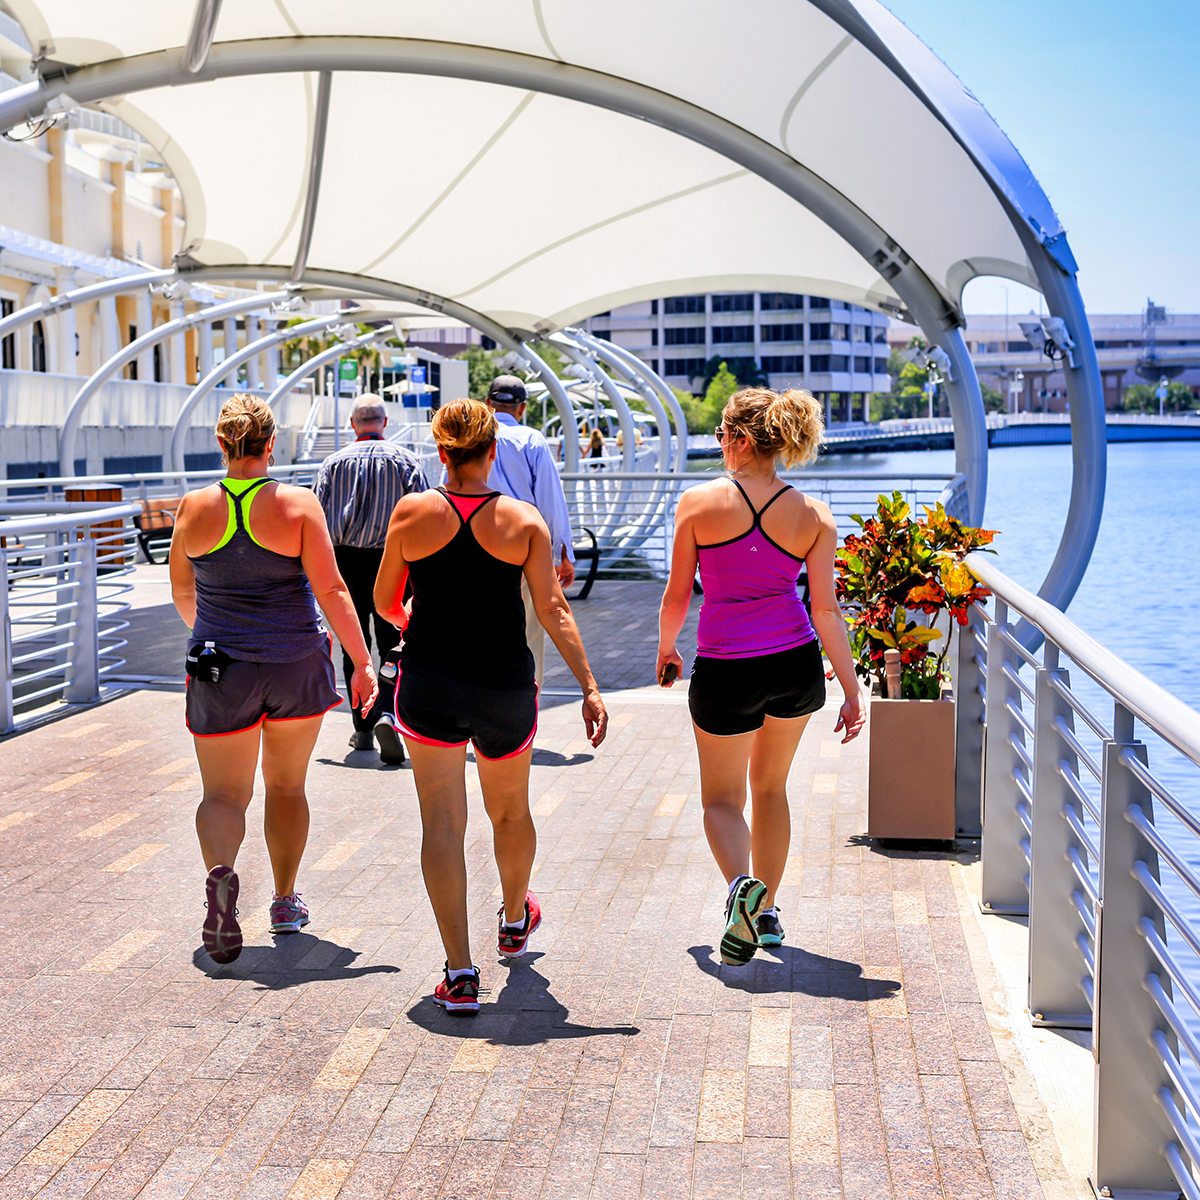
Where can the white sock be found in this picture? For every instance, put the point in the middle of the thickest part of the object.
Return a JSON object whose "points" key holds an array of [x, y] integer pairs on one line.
{"points": [[514, 924], [459, 972], [736, 882], [773, 911]]}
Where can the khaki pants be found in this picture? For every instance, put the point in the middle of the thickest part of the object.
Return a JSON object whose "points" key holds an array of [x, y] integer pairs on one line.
{"points": [[535, 635]]}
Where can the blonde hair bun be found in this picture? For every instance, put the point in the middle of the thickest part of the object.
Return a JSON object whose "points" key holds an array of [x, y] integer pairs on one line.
{"points": [[245, 426], [785, 425]]}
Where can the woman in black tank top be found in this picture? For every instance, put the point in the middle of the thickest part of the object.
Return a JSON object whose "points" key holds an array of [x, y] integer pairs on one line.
{"points": [[467, 675]]}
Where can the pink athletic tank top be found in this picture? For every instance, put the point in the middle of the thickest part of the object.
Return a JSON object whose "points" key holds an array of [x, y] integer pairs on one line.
{"points": [[751, 605]]}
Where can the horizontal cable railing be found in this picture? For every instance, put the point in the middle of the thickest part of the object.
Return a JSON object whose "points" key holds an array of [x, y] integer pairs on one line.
{"points": [[63, 605], [1101, 850]]}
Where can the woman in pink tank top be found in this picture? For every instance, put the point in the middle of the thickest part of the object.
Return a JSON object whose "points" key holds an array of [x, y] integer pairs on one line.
{"points": [[758, 674]]}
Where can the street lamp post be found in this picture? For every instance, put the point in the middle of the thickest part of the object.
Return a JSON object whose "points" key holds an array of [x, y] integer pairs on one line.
{"points": [[1161, 393], [1015, 386]]}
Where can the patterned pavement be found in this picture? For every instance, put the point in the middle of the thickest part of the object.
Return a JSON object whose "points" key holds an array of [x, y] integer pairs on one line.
{"points": [[616, 1060]]}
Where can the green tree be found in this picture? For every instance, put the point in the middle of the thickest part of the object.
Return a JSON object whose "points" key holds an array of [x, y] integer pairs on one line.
{"points": [[1143, 397], [746, 371], [481, 370], [993, 401], [723, 384]]}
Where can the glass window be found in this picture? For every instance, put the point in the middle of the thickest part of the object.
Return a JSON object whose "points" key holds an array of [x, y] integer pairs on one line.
{"points": [[780, 302], [860, 333], [880, 335], [743, 302], [862, 365], [39, 347], [819, 332], [839, 333], [691, 367], [692, 335], [654, 308], [818, 302], [683, 304], [8, 347], [783, 364], [881, 366], [824, 363], [733, 333], [783, 333]]}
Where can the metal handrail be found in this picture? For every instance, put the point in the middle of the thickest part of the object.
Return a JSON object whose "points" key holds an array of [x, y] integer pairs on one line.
{"points": [[1153, 705], [1096, 875]]}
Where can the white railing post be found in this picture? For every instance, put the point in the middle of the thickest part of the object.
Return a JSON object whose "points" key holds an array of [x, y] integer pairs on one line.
{"points": [[83, 667], [7, 721], [1004, 867], [1131, 1128], [1059, 938], [969, 690]]}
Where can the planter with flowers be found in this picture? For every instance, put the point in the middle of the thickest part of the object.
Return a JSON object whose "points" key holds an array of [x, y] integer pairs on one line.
{"points": [[896, 579]]}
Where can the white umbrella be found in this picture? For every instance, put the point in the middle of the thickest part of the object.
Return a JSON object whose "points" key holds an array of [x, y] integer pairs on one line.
{"points": [[408, 388]]}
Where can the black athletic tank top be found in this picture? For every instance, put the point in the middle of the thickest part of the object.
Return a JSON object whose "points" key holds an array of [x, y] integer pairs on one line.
{"points": [[468, 619], [256, 605]]}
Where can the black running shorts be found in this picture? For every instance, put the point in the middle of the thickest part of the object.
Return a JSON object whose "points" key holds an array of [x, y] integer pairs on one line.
{"points": [[250, 692], [440, 710], [728, 696]]}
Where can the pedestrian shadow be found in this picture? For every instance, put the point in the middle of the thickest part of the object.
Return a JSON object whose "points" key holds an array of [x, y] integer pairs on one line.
{"points": [[364, 760], [792, 969], [523, 1012], [294, 959], [551, 758]]}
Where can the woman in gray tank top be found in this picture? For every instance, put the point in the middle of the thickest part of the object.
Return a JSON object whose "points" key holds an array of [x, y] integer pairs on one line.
{"points": [[259, 669]]}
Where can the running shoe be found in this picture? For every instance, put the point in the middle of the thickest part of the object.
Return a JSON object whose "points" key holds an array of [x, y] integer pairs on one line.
{"points": [[222, 933], [770, 931], [742, 909], [514, 941], [391, 748], [361, 739], [458, 996], [288, 913]]}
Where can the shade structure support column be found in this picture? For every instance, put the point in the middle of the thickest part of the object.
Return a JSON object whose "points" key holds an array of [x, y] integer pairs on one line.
{"points": [[586, 360], [646, 382], [210, 381], [141, 346]]}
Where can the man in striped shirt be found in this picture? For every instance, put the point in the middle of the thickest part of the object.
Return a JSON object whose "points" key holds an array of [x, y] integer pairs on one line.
{"points": [[358, 487]]}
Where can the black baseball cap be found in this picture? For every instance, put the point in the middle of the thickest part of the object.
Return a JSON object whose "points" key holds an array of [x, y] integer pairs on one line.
{"points": [[506, 389]]}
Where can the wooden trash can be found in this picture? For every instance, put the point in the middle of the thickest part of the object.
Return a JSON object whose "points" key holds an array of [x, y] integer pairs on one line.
{"points": [[113, 554]]}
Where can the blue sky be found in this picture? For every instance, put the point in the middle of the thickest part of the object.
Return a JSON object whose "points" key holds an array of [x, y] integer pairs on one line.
{"points": [[1102, 98]]}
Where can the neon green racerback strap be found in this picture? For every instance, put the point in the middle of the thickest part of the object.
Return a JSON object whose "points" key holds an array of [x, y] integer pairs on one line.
{"points": [[239, 493]]}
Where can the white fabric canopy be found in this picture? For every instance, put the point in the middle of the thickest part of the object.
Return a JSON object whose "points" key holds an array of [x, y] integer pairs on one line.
{"points": [[538, 209]]}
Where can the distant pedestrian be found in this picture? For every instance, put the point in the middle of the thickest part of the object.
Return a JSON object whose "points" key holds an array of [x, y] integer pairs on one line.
{"points": [[260, 674], [467, 676], [524, 469], [758, 674], [358, 487], [594, 447]]}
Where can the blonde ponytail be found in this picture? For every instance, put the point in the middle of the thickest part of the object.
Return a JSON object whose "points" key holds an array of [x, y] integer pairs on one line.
{"points": [[784, 425]]}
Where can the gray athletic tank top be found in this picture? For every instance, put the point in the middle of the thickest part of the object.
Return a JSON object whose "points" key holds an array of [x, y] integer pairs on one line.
{"points": [[256, 605]]}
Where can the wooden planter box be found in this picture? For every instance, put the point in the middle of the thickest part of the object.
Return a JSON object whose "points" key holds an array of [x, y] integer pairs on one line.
{"points": [[910, 793]]}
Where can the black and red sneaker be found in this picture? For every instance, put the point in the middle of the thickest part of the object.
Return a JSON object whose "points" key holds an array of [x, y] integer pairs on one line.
{"points": [[222, 935], [513, 942], [458, 996]]}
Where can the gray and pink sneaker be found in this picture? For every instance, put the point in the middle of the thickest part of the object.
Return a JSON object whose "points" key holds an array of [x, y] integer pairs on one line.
{"points": [[288, 913], [222, 933]]}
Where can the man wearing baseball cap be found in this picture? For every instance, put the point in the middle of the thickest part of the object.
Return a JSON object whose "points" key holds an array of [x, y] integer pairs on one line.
{"points": [[524, 469]]}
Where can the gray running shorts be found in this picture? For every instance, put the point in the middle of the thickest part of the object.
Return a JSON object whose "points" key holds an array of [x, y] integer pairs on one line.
{"points": [[250, 692]]}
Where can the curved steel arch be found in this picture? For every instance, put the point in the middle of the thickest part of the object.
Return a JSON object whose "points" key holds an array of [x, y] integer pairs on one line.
{"points": [[83, 295], [95, 381], [318, 360], [937, 316], [588, 361]]}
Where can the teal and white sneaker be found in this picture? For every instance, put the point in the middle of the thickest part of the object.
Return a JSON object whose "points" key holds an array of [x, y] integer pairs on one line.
{"points": [[288, 913], [742, 910], [770, 931]]}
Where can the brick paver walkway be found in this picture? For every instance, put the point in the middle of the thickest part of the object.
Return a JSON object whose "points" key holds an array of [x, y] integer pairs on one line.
{"points": [[616, 1060]]}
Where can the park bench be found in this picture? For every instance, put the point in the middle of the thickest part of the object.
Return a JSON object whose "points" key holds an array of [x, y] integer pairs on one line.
{"points": [[156, 526], [591, 555]]}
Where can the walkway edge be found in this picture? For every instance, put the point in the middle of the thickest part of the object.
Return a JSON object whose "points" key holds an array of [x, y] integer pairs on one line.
{"points": [[1049, 1072]]}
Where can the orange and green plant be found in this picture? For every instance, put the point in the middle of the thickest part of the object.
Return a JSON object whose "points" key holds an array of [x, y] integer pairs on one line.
{"points": [[899, 568]]}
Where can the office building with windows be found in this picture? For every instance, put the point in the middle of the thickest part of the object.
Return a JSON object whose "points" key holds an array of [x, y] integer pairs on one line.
{"points": [[838, 351]]}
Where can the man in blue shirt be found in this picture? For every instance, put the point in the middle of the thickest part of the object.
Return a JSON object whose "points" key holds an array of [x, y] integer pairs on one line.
{"points": [[525, 470]]}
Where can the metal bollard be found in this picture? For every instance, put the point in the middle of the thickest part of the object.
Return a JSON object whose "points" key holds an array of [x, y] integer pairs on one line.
{"points": [[1004, 868], [1131, 1127], [83, 667], [1058, 933], [969, 687], [7, 722]]}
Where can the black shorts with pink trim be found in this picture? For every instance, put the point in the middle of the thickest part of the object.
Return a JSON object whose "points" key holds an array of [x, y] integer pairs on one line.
{"points": [[250, 692], [440, 710]]}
